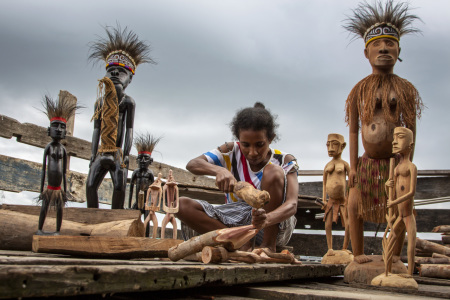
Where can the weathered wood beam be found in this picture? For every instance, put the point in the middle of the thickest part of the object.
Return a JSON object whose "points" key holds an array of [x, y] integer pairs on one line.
{"points": [[17, 281], [79, 214], [104, 246], [21, 175], [37, 136], [17, 228]]}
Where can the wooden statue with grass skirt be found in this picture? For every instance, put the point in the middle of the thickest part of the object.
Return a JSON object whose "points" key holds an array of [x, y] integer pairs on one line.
{"points": [[122, 51], [55, 162], [401, 188], [171, 204], [376, 105], [334, 185]]}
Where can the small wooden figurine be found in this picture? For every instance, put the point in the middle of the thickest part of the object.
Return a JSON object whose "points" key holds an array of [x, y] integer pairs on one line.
{"points": [[58, 112], [334, 185], [402, 187], [143, 177], [152, 205], [171, 203]]}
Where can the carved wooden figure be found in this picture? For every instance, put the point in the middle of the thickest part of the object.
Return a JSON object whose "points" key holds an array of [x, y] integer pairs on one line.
{"points": [[402, 187], [376, 105], [142, 177], [153, 203], [55, 162], [171, 204], [113, 118], [334, 185]]}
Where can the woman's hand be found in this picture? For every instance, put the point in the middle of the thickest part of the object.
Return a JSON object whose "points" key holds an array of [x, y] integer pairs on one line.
{"points": [[225, 181], [259, 218]]}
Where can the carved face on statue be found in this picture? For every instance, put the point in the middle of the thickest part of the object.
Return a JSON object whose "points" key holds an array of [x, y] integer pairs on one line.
{"points": [[120, 76], [335, 145], [382, 54], [403, 140], [57, 130], [144, 160]]}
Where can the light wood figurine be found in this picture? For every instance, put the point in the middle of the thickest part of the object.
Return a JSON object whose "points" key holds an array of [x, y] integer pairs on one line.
{"points": [[334, 185], [402, 187], [153, 203], [171, 204]]}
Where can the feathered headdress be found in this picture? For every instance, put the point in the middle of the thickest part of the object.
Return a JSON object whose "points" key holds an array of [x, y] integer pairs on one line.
{"points": [[120, 48], [145, 143], [371, 22], [60, 110]]}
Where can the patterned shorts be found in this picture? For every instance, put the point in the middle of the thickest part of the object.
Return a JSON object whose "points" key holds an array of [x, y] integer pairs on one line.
{"points": [[240, 214]]}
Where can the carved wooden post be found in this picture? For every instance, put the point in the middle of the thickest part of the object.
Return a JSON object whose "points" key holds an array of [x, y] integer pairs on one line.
{"points": [[71, 122]]}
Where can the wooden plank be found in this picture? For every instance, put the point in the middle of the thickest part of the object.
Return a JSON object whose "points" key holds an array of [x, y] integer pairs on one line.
{"points": [[59, 280], [103, 246], [426, 220], [427, 188], [79, 214], [37, 136]]}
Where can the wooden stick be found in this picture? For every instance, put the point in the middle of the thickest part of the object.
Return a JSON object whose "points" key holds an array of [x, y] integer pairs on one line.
{"points": [[231, 238], [442, 228], [432, 247], [432, 260], [437, 255], [219, 254], [435, 271]]}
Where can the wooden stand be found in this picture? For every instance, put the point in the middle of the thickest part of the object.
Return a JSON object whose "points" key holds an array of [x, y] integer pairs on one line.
{"points": [[364, 273], [339, 257]]}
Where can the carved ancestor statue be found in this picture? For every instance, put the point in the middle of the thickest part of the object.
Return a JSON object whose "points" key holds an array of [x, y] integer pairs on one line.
{"points": [[122, 52], [153, 204], [376, 105], [334, 185], [142, 177], [55, 162], [402, 187], [171, 203]]}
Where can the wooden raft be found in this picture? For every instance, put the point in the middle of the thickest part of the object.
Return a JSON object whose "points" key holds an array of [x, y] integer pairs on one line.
{"points": [[27, 274]]}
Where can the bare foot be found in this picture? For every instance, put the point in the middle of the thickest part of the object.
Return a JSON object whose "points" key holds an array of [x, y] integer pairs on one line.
{"points": [[330, 252], [362, 259], [347, 251]]}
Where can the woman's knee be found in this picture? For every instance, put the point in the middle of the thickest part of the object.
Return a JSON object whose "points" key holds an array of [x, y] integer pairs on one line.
{"points": [[273, 175]]}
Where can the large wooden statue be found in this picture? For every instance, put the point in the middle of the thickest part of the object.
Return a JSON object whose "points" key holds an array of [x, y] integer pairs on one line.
{"points": [[153, 204], [377, 104], [122, 52], [171, 203], [334, 185], [402, 187], [55, 162]]}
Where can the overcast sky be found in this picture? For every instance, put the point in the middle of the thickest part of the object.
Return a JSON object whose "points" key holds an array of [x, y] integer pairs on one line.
{"points": [[215, 57]]}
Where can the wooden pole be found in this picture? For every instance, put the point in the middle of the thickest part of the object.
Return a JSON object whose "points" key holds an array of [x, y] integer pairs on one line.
{"points": [[70, 126]]}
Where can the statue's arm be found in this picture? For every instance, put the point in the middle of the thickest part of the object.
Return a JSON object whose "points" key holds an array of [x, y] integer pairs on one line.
{"points": [[64, 170], [44, 167], [129, 128], [132, 181], [324, 189], [412, 188], [95, 136], [413, 129], [353, 141]]}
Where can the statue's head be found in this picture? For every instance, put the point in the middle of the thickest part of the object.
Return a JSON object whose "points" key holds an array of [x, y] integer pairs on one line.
{"points": [[335, 145], [145, 144], [120, 76], [58, 112], [57, 130], [122, 51], [381, 25], [144, 159], [403, 140]]}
